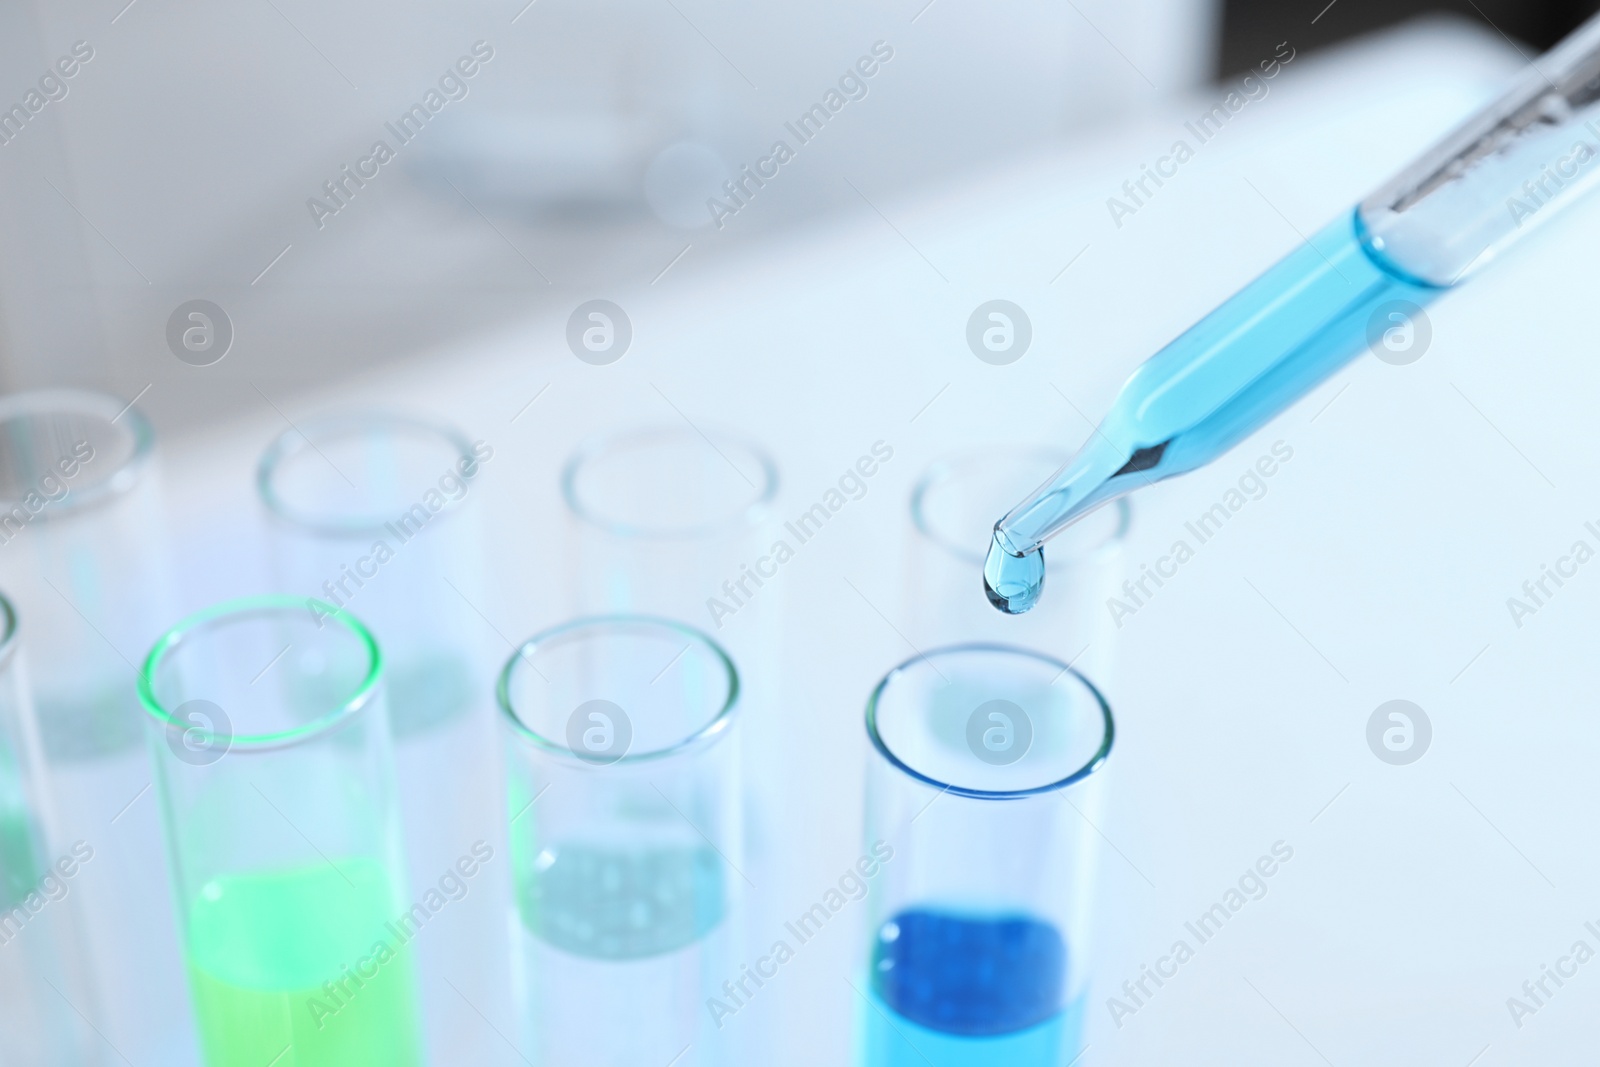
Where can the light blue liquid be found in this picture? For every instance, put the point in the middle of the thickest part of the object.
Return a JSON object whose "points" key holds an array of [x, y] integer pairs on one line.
{"points": [[1216, 384], [622, 945], [622, 904], [1013, 583]]}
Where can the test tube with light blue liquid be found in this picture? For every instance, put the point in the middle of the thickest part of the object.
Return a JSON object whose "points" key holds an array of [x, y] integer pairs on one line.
{"points": [[42, 973], [82, 558], [625, 837], [665, 521], [983, 782], [375, 512], [77, 550]]}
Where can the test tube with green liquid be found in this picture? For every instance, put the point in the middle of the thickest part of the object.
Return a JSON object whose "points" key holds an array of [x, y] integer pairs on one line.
{"points": [[270, 741]]}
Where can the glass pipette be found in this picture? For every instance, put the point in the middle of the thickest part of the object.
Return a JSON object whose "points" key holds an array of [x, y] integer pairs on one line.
{"points": [[1360, 281]]}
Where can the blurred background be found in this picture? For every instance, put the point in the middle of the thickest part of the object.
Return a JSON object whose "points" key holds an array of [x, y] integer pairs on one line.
{"points": [[540, 154], [1251, 27], [181, 161]]}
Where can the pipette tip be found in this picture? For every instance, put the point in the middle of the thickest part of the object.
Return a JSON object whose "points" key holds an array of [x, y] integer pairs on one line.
{"points": [[1012, 582]]}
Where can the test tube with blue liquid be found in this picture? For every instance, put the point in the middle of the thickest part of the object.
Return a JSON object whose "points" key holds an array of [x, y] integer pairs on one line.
{"points": [[983, 780], [624, 826]]}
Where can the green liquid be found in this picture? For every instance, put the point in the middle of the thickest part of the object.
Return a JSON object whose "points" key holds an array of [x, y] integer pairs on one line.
{"points": [[260, 948], [21, 863]]}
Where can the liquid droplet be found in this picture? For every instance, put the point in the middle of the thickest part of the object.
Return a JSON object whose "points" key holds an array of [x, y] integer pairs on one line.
{"points": [[1013, 583]]}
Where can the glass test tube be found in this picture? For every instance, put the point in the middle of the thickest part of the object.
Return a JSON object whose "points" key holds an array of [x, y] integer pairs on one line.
{"points": [[42, 978], [980, 908], [952, 517], [269, 736], [76, 489], [81, 557], [661, 517], [624, 829], [665, 521], [374, 512]]}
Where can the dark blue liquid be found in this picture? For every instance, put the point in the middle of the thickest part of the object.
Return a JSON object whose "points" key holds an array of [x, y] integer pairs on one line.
{"points": [[959, 990]]}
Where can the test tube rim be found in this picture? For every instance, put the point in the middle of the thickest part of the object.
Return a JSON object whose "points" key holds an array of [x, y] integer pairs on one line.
{"points": [[87, 402], [296, 440], [940, 470], [1095, 762], [718, 725], [748, 517], [261, 605]]}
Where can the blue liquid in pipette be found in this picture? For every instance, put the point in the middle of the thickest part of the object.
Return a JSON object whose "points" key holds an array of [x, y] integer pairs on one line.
{"points": [[956, 990], [1223, 379]]}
